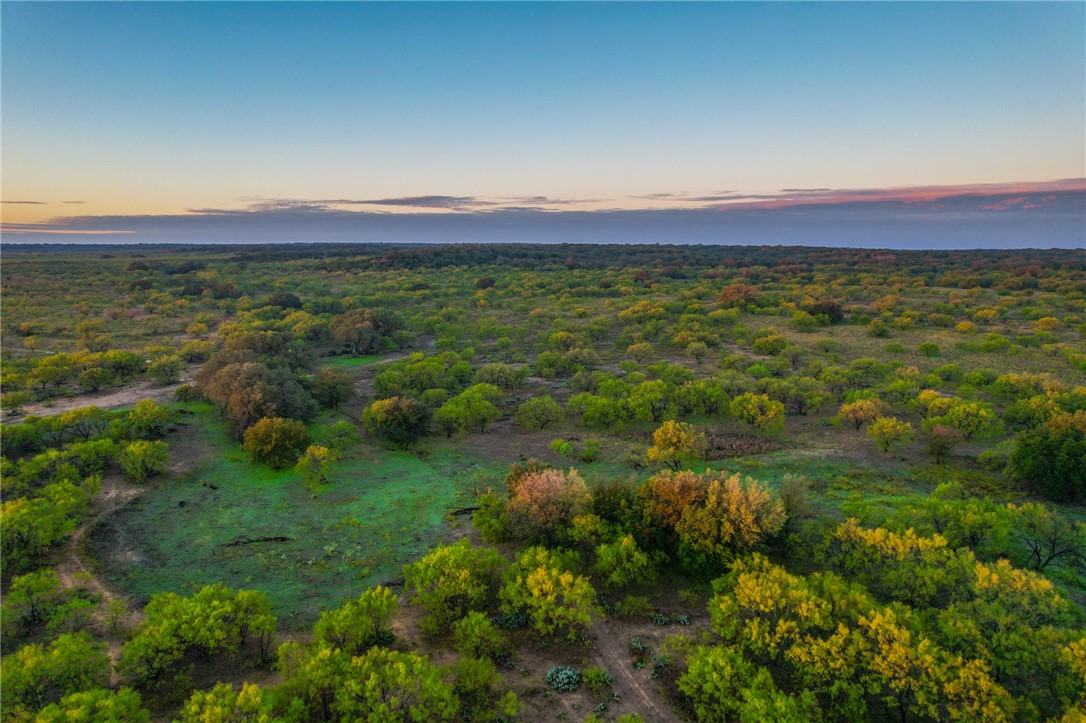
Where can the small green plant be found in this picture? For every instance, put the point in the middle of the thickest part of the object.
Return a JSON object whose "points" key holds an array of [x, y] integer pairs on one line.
{"points": [[680, 619], [660, 619], [561, 447], [633, 606], [564, 678], [514, 620], [590, 450], [597, 679], [637, 647]]}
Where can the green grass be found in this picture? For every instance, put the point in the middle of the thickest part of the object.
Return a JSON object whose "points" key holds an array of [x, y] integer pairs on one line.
{"points": [[347, 362], [384, 509]]}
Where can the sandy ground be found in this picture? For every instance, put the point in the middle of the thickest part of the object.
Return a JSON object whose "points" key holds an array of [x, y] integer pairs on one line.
{"points": [[108, 399]]}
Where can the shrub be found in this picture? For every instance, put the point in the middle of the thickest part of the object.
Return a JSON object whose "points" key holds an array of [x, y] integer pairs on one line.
{"points": [[140, 460], [564, 679], [277, 442]]}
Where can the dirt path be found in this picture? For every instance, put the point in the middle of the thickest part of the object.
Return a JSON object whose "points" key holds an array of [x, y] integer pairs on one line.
{"points": [[73, 571], [124, 397], [634, 687]]}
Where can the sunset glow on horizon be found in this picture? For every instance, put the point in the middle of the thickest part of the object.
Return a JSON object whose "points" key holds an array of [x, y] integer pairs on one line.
{"points": [[149, 121]]}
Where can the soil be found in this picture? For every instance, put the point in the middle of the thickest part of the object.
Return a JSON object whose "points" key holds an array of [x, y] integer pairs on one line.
{"points": [[109, 399]]}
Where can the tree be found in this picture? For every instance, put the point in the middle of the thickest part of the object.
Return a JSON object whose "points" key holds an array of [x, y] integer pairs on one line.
{"points": [[379, 686], [941, 441], [476, 682], [503, 376], [31, 598], [166, 369], [275, 441], [860, 412], [140, 460], [315, 465], [759, 411], [472, 408], [148, 420], [386, 685], [890, 431], [358, 624], [622, 563], [332, 388], [675, 444], [735, 515], [223, 704], [714, 682], [102, 705], [538, 413], [400, 420], [1052, 458], [475, 635], [648, 401], [1049, 537], [95, 378], [340, 436], [37, 675], [542, 502], [541, 583], [366, 331], [738, 295], [450, 580], [972, 419], [214, 620]]}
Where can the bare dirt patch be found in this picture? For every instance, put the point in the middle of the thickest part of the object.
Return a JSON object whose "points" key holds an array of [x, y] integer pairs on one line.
{"points": [[109, 399]]}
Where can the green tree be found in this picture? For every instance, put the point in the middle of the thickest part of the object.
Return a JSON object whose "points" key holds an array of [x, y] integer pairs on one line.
{"points": [[450, 580], [166, 369], [622, 563], [225, 704], [37, 675], [714, 682], [476, 683], [214, 620], [276, 442], [333, 388], [400, 420], [367, 331], [140, 460], [471, 409], [100, 706], [147, 420], [358, 624], [538, 413], [475, 635], [1052, 458]]}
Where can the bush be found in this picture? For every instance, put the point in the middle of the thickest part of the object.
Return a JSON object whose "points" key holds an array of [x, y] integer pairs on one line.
{"points": [[399, 420], [140, 460], [597, 679], [538, 413], [564, 679], [277, 442]]}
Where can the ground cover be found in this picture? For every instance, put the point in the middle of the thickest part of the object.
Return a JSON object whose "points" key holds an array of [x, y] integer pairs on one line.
{"points": [[224, 519]]}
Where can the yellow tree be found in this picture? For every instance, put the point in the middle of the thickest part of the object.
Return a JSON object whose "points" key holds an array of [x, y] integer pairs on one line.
{"points": [[675, 444]]}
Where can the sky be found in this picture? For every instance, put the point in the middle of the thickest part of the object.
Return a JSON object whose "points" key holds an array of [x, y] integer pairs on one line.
{"points": [[907, 125]]}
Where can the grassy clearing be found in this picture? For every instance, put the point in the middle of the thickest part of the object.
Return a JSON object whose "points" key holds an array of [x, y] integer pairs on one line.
{"points": [[347, 362], [384, 509]]}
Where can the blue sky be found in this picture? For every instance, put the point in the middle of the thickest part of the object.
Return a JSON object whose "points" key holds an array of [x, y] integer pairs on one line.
{"points": [[159, 115]]}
